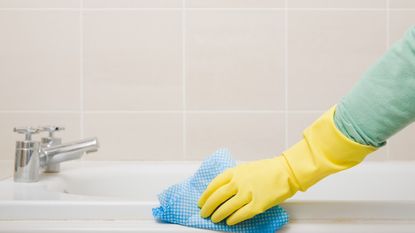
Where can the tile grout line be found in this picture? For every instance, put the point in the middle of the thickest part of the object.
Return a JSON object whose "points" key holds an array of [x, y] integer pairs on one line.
{"points": [[184, 119], [207, 9], [81, 63], [40, 111], [285, 52], [288, 9], [387, 24], [164, 111]]}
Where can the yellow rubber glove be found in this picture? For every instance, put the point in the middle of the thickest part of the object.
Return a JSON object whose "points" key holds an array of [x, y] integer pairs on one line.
{"points": [[249, 189]]}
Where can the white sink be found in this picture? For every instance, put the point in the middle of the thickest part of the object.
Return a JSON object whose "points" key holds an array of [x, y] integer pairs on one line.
{"points": [[126, 191], [136, 181]]}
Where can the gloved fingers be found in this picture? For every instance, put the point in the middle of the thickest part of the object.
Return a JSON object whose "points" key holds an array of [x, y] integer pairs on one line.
{"points": [[244, 213], [230, 206], [215, 184], [217, 198]]}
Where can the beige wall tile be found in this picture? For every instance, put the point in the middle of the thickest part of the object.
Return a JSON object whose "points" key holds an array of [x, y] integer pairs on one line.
{"points": [[8, 121], [402, 3], [328, 51], [234, 60], [401, 144], [336, 3], [132, 3], [298, 122], [380, 154], [39, 62], [133, 60], [234, 3], [39, 3], [6, 169], [400, 22], [249, 136], [135, 136]]}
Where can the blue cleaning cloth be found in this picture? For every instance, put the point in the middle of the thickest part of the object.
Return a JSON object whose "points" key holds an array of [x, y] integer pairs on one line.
{"points": [[179, 202]]}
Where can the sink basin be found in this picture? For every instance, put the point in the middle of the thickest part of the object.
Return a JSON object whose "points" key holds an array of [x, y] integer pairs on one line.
{"points": [[138, 182], [127, 191]]}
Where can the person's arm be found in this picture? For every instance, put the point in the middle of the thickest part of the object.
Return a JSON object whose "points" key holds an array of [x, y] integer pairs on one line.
{"points": [[382, 103]]}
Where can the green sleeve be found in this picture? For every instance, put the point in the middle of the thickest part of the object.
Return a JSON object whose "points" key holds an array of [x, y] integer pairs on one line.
{"points": [[383, 101]]}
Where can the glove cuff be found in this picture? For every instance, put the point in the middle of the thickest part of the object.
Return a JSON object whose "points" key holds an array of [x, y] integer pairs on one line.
{"points": [[324, 150]]}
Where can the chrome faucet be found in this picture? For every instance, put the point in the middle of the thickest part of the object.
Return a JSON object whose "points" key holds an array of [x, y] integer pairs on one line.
{"points": [[32, 156]]}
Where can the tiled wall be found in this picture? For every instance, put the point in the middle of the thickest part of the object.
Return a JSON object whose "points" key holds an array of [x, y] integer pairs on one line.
{"points": [[176, 79]]}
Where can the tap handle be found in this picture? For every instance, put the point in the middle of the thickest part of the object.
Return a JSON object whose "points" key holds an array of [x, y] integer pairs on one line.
{"points": [[27, 131], [51, 129]]}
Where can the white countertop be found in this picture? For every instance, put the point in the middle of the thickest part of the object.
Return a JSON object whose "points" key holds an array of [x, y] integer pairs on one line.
{"points": [[149, 226], [92, 196]]}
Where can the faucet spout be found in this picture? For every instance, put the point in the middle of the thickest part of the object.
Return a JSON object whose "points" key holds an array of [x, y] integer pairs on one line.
{"points": [[67, 151], [31, 156]]}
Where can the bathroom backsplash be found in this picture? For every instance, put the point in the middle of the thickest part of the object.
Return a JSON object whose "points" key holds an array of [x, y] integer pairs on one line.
{"points": [[177, 79]]}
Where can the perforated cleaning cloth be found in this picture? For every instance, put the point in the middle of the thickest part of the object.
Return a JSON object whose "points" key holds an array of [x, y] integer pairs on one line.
{"points": [[178, 203]]}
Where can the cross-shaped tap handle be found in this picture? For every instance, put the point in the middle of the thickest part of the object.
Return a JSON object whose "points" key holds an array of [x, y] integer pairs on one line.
{"points": [[51, 129], [27, 131]]}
